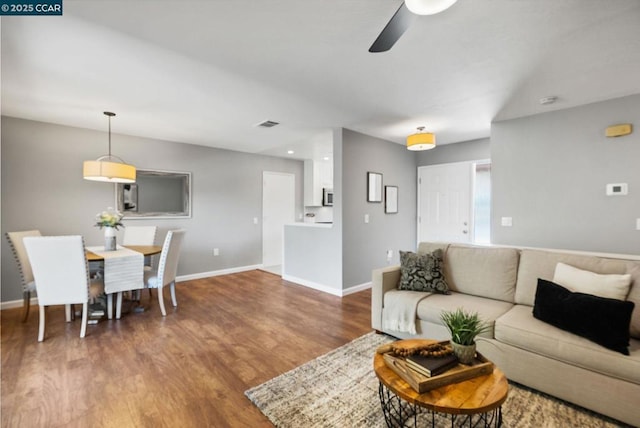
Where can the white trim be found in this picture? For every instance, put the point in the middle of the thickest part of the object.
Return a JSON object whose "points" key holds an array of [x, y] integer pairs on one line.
{"points": [[326, 288], [314, 285], [212, 273], [357, 288], [17, 303]]}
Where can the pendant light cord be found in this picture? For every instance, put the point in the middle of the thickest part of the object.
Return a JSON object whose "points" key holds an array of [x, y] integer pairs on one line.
{"points": [[109, 115]]}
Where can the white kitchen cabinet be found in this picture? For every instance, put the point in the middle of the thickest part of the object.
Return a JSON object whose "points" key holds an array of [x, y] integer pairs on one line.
{"points": [[317, 175]]}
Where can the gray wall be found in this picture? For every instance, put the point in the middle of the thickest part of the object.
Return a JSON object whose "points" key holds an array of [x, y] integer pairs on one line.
{"points": [[549, 173], [364, 246], [42, 188], [459, 152]]}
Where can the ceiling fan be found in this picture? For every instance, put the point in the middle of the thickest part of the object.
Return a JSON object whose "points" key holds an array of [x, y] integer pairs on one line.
{"points": [[402, 19]]}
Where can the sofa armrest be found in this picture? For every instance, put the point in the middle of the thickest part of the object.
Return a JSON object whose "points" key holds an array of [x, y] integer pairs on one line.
{"points": [[383, 280]]}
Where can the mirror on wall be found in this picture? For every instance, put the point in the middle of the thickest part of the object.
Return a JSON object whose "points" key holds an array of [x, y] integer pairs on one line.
{"points": [[155, 194]]}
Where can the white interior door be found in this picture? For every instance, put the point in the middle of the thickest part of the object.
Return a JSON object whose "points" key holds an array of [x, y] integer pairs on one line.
{"points": [[278, 209], [444, 202]]}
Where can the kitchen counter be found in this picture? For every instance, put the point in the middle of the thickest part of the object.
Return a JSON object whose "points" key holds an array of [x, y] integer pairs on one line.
{"points": [[312, 256]]}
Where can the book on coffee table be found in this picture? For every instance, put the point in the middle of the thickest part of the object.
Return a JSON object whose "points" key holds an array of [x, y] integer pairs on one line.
{"points": [[431, 366]]}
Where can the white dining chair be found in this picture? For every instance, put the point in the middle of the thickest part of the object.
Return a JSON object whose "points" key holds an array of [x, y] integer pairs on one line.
{"points": [[139, 235], [167, 268], [26, 274], [61, 273]]}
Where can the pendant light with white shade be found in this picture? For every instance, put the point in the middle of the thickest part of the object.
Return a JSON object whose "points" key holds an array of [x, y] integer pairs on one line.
{"points": [[109, 168]]}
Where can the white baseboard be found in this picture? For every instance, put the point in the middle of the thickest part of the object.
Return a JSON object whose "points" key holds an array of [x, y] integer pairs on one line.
{"points": [[314, 285], [209, 274], [357, 288], [327, 289], [17, 303]]}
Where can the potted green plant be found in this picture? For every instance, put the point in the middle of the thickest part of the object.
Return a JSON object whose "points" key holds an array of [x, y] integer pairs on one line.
{"points": [[464, 327]]}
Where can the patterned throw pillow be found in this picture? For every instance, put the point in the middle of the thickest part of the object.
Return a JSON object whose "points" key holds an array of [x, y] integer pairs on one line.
{"points": [[422, 272]]}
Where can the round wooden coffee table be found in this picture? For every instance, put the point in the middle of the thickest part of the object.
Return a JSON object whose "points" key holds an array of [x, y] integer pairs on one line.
{"points": [[474, 402]]}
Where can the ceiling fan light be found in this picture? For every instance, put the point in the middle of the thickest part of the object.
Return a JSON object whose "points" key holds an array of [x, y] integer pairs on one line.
{"points": [[428, 7], [421, 141]]}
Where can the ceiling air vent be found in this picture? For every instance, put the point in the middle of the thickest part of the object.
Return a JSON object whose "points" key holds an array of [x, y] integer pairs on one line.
{"points": [[268, 124]]}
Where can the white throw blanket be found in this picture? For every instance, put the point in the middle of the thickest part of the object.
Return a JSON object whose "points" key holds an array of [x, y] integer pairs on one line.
{"points": [[123, 269], [399, 310]]}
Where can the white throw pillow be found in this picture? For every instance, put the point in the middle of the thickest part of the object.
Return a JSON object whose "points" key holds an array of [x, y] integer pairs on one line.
{"points": [[577, 280]]}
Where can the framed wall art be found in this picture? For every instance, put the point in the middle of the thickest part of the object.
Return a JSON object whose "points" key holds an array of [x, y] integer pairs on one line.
{"points": [[391, 199], [374, 187]]}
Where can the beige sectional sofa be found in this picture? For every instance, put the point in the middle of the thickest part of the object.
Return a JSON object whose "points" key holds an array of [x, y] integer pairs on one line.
{"points": [[500, 284]]}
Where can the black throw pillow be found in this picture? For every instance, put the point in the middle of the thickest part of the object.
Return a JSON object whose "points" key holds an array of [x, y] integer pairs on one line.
{"points": [[599, 319], [422, 272]]}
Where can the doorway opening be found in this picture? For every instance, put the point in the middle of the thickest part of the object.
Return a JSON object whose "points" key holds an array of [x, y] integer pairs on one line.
{"points": [[278, 209]]}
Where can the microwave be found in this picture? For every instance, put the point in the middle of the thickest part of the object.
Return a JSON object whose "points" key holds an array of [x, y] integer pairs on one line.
{"points": [[327, 197]]}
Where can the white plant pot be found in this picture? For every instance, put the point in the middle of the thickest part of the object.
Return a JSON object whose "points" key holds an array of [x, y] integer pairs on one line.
{"points": [[109, 239]]}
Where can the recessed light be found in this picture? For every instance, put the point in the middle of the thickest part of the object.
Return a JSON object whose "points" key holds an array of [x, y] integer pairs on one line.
{"points": [[290, 152]]}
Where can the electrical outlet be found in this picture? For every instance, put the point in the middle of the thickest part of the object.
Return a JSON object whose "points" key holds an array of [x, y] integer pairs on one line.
{"points": [[216, 251], [389, 254], [366, 218], [506, 221], [255, 220]]}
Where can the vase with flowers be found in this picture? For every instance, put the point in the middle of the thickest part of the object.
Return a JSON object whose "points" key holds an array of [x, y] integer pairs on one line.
{"points": [[110, 220]]}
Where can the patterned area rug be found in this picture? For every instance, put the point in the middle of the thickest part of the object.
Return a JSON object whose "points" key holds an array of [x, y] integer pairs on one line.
{"points": [[340, 389]]}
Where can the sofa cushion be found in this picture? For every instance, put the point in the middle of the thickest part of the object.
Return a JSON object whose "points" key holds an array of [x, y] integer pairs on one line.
{"points": [[612, 286], [422, 272], [430, 247], [430, 308], [519, 328], [536, 264], [482, 271], [602, 320]]}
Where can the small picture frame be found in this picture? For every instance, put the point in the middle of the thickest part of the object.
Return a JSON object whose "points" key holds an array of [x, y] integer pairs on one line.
{"points": [[391, 199], [374, 187]]}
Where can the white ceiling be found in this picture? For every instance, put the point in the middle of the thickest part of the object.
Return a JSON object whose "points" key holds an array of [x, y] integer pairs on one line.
{"points": [[206, 72]]}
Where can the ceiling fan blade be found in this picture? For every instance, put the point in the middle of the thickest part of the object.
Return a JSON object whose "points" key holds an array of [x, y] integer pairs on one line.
{"points": [[395, 28]]}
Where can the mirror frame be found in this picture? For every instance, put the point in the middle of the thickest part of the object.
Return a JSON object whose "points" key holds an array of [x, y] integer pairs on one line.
{"points": [[186, 211]]}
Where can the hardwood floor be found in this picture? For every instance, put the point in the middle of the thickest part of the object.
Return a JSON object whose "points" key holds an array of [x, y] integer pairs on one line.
{"points": [[190, 369]]}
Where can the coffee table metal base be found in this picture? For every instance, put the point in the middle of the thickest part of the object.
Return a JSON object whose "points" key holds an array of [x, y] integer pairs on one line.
{"points": [[400, 413]]}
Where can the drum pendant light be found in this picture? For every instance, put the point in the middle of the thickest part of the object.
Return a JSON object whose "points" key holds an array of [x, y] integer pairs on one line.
{"points": [[109, 168], [421, 140]]}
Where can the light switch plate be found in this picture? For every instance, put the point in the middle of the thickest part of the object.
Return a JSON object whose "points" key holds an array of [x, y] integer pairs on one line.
{"points": [[366, 218], [507, 221], [638, 224]]}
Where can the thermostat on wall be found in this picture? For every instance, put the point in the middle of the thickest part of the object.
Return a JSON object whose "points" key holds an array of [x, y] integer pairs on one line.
{"points": [[617, 189]]}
